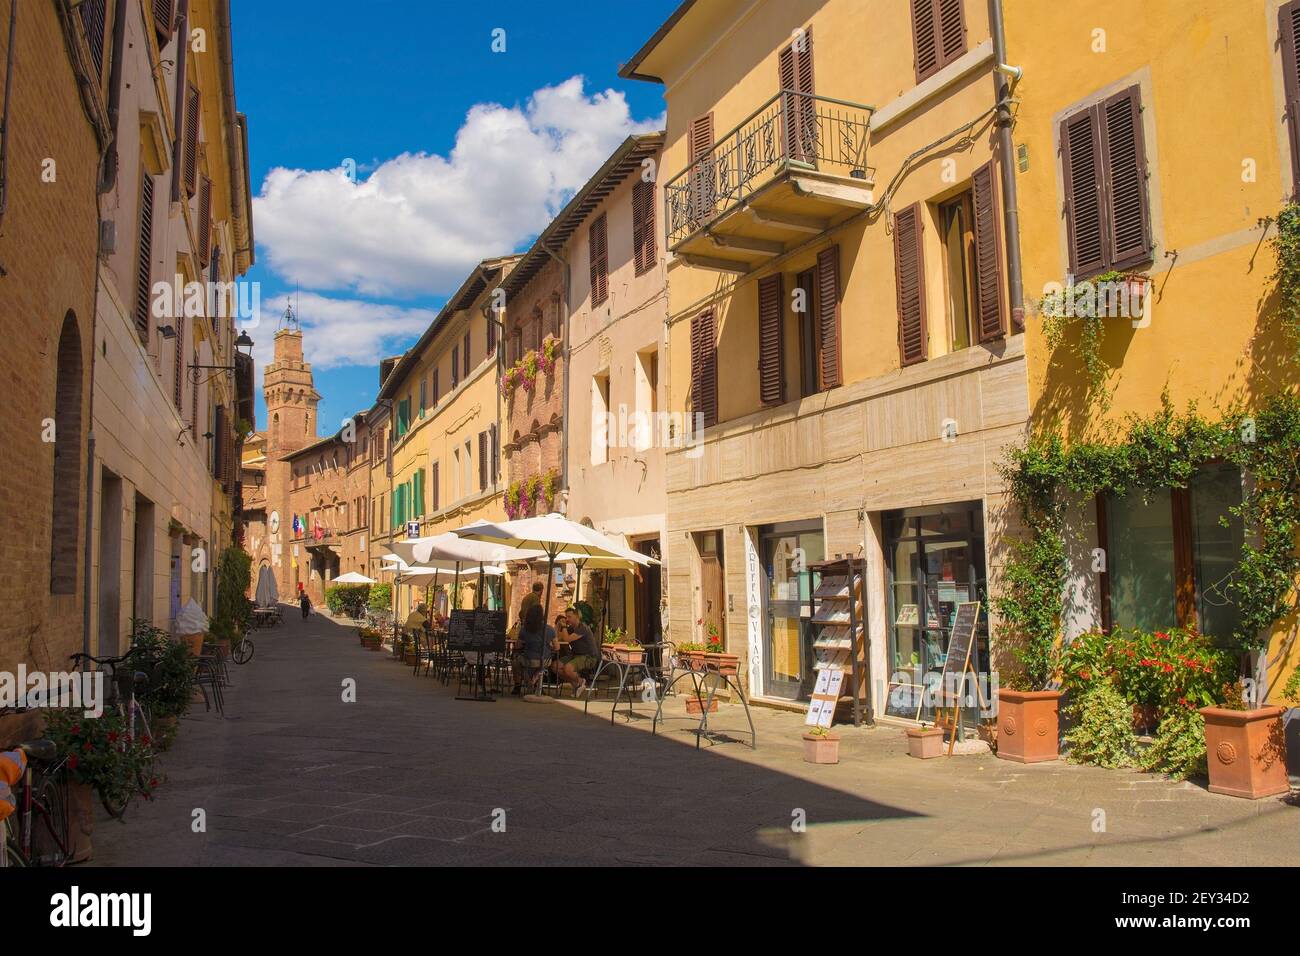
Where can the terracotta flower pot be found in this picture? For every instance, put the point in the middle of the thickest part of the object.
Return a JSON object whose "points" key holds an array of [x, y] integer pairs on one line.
{"points": [[625, 653], [924, 743], [727, 664], [695, 705], [694, 660], [1029, 725], [193, 643], [821, 749], [1246, 751]]}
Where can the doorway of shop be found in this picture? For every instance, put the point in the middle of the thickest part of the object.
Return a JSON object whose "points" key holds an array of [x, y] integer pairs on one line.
{"points": [[787, 550], [713, 609]]}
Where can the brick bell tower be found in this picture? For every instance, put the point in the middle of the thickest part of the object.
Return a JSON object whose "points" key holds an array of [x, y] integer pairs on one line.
{"points": [[291, 400]]}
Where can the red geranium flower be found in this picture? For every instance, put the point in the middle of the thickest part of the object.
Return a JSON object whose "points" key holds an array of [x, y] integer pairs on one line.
{"points": [[72, 762]]}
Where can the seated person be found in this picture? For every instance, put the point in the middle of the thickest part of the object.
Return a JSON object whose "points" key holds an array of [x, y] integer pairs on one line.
{"points": [[417, 618], [534, 650], [579, 650]]}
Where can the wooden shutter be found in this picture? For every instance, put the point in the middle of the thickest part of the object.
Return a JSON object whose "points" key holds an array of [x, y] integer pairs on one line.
{"points": [[699, 146], [417, 494], [1082, 174], [178, 373], [1127, 218], [909, 276], [704, 367], [205, 220], [491, 339], [598, 257], [435, 386], [1289, 29], [144, 265], [194, 400], [455, 365], [991, 319], [434, 500], [218, 440], [495, 452], [464, 355], [828, 316], [643, 226], [164, 15], [93, 13], [798, 109], [191, 141], [771, 345], [482, 461], [938, 33]]}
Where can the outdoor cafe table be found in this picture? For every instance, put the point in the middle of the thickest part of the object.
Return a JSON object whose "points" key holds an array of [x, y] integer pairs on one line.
{"points": [[709, 675]]}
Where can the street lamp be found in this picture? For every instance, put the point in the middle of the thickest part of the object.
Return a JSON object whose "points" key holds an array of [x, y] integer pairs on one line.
{"points": [[243, 346]]}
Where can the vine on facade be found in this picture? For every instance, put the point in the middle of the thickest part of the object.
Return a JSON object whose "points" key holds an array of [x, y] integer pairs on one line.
{"points": [[1286, 248], [1161, 451], [534, 362], [522, 495]]}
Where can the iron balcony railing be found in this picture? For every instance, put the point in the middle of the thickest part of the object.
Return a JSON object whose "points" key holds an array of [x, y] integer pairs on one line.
{"points": [[791, 130]]}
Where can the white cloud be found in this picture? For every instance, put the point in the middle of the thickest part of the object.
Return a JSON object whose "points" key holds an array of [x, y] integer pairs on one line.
{"points": [[419, 222], [338, 332]]}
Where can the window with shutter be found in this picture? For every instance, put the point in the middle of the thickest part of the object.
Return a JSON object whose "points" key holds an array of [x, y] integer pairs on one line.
{"points": [[1289, 32], [144, 264], [455, 365], [938, 33], [491, 336], [433, 489], [436, 388], [643, 226], [464, 355], [909, 274], [828, 316], [164, 15], [93, 13], [699, 149], [798, 108], [991, 317], [598, 256], [192, 141], [704, 367], [483, 473], [1104, 168], [495, 452], [771, 344], [194, 399], [178, 374], [205, 219]]}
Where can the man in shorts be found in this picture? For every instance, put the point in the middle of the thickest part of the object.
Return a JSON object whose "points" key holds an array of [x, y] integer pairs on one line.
{"points": [[579, 651]]}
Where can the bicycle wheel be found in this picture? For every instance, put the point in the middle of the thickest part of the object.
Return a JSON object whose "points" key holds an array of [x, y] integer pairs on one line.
{"points": [[242, 653], [50, 843]]}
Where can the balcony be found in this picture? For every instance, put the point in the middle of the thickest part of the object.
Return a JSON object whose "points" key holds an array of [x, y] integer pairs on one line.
{"points": [[796, 167]]}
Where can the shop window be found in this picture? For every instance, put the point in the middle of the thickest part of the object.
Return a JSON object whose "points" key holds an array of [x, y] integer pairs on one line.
{"points": [[1170, 553]]}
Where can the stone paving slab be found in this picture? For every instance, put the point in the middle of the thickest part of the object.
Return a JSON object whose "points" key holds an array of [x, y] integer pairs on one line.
{"points": [[406, 775]]}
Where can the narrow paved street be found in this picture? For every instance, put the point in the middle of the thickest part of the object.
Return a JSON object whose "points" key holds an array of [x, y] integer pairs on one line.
{"points": [[409, 775]]}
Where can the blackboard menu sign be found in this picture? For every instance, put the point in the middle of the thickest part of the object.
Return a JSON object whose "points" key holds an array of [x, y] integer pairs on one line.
{"points": [[477, 631], [959, 645]]}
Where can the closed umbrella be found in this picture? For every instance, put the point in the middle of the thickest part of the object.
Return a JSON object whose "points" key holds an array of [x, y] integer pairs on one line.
{"points": [[266, 594]]}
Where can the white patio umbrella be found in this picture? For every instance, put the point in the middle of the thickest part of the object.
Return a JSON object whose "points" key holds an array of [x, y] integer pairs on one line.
{"points": [[553, 534], [266, 594], [353, 577], [455, 550]]}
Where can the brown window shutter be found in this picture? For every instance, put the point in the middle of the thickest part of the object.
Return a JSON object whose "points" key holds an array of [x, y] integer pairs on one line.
{"points": [[482, 461], [799, 109], [436, 385], [939, 34], [828, 316], [699, 155], [704, 367], [598, 257], [771, 345], [1082, 171], [495, 452], [1289, 29], [205, 220], [464, 356], [144, 265], [164, 16], [178, 391], [1127, 216], [643, 226], [491, 345], [93, 13], [194, 400], [909, 279], [455, 365], [433, 487], [992, 316], [192, 141], [951, 22]]}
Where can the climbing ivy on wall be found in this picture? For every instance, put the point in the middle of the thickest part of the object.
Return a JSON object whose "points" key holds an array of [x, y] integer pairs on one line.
{"points": [[1163, 450]]}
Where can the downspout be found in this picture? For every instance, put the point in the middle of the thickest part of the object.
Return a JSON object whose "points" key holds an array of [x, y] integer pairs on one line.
{"points": [[178, 121], [108, 176], [564, 420], [1003, 77]]}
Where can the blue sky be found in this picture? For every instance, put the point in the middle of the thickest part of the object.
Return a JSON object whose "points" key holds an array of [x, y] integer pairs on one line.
{"points": [[460, 153]]}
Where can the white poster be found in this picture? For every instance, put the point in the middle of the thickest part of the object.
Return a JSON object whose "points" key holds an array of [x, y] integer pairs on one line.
{"points": [[754, 609]]}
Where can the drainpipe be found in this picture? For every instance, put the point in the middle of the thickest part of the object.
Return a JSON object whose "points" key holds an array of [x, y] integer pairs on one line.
{"points": [[178, 121], [1003, 77], [108, 176], [4, 128]]}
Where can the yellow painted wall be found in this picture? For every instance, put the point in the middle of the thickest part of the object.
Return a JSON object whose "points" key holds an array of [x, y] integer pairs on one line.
{"points": [[1211, 84]]}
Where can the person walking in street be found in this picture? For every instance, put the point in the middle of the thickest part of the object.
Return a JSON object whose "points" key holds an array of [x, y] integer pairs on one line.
{"points": [[304, 602]]}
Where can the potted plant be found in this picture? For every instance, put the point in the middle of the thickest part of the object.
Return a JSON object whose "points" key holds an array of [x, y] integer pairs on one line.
{"points": [[715, 654], [691, 656], [1029, 721], [623, 646], [924, 742], [1245, 748], [821, 746]]}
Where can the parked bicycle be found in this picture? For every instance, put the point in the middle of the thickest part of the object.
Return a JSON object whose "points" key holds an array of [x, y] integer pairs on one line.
{"points": [[128, 680], [242, 652], [37, 832]]}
